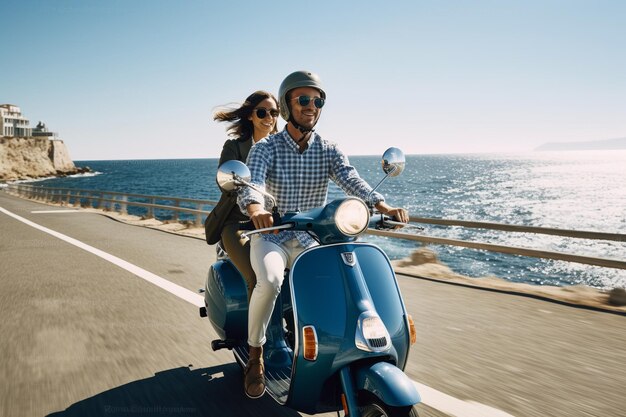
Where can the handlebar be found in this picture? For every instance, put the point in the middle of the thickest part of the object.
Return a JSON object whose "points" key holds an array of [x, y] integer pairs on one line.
{"points": [[278, 225], [378, 221], [246, 225], [381, 221], [254, 231]]}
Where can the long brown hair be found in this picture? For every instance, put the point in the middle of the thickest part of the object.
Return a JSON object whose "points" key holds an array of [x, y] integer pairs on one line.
{"points": [[241, 126]]}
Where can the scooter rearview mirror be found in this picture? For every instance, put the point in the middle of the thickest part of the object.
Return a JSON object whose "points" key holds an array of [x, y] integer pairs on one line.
{"points": [[393, 162], [231, 173]]}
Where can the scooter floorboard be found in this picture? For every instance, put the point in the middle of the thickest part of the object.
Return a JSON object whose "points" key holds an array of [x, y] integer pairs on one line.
{"points": [[277, 378]]}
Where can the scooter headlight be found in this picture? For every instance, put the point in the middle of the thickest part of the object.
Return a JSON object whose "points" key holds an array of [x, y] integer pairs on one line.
{"points": [[371, 333], [352, 217]]}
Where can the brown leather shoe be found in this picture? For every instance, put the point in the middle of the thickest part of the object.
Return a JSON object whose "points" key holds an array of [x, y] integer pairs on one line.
{"points": [[254, 374]]}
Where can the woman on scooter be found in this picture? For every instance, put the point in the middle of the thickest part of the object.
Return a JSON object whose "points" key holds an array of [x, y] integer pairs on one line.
{"points": [[252, 121]]}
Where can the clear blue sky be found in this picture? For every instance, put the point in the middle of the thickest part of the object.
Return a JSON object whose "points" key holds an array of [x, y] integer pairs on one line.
{"points": [[139, 79]]}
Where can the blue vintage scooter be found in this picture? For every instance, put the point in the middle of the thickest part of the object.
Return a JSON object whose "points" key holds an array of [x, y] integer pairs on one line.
{"points": [[339, 335]]}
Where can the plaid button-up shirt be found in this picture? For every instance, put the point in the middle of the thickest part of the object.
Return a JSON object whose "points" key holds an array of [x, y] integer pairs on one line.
{"points": [[299, 181]]}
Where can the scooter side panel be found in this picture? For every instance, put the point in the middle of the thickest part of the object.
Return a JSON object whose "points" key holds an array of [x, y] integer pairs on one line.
{"points": [[226, 300], [319, 298], [321, 282]]}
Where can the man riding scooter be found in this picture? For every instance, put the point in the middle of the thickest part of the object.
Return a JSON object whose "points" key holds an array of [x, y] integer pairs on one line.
{"points": [[294, 166]]}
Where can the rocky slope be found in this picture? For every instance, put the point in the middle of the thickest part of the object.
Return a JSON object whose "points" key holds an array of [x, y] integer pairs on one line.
{"points": [[27, 158]]}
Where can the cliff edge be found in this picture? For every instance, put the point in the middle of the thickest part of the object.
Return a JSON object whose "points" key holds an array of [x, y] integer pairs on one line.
{"points": [[29, 158]]}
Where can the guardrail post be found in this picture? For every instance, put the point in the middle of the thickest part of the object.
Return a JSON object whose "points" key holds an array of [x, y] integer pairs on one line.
{"points": [[86, 200], [150, 214], [123, 206], [198, 221], [177, 204]]}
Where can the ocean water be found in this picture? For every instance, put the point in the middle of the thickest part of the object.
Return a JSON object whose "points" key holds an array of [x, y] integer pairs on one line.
{"points": [[568, 190]]}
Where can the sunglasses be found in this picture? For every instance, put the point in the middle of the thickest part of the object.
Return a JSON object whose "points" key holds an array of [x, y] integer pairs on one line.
{"points": [[262, 113], [305, 100]]}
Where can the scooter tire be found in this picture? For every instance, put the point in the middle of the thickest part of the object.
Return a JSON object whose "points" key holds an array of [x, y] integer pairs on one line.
{"points": [[377, 409]]}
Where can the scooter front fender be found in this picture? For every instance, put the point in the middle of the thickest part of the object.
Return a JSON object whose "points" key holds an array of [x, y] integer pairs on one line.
{"points": [[388, 383]]}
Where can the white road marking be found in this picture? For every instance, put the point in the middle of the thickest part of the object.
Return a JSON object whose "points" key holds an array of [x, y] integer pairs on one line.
{"points": [[57, 211], [455, 407], [175, 289], [430, 396]]}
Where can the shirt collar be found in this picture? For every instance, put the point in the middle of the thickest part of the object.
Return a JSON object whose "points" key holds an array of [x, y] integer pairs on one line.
{"points": [[291, 143]]}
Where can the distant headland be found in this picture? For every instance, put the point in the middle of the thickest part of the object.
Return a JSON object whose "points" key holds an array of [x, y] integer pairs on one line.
{"points": [[595, 145], [29, 153]]}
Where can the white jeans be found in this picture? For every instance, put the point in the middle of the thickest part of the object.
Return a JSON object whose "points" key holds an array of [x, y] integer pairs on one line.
{"points": [[269, 261]]}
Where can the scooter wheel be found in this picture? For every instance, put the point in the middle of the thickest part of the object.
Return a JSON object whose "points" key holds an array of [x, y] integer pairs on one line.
{"points": [[376, 408]]}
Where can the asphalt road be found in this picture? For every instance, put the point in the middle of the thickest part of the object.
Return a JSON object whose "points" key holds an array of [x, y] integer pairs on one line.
{"points": [[83, 337]]}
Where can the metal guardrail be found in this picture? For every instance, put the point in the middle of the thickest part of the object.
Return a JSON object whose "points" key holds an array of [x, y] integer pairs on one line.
{"points": [[511, 250], [115, 201]]}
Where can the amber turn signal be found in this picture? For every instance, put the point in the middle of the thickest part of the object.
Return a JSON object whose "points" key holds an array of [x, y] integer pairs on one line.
{"points": [[309, 337], [412, 330]]}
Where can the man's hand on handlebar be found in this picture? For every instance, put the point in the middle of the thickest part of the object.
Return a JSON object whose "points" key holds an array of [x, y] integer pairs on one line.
{"points": [[260, 217], [399, 214]]}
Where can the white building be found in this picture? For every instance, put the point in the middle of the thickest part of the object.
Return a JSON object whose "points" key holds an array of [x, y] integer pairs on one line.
{"points": [[12, 123], [42, 131]]}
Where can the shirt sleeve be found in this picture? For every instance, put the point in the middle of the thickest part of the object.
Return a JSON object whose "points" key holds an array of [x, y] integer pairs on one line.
{"points": [[348, 179], [258, 162]]}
